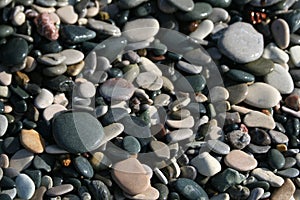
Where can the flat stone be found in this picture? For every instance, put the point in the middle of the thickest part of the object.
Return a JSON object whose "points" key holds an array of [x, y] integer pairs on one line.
{"points": [[187, 122], [259, 67], [189, 68], [206, 164], [3, 125], [149, 81], [67, 14], [25, 186], [21, 160], [286, 191], [218, 147], [281, 33], [267, 175], [86, 89], [258, 149], [111, 131], [39, 193], [126, 4], [218, 93], [52, 110], [99, 190], [197, 57], [13, 52], [5, 78], [292, 18], [178, 135], [72, 56], [275, 54], [278, 137], [259, 137], [83, 166], [182, 5], [237, 93], [280, 79], [76, 34], [55, 70], [240, 160], [200, 11], [43, 99], [140, 29], [218, 15], [203, 30], [52, 59], [259, 119], [104, 27], [237, 43], [74, 70], [160, 149], [147, 65], [288, 173], [77, 132], [131, 144], [238, 139], [262, 95], [117, 89], [59, 190], [32, 141], [150, 193], [131, 176], [190, 189]]}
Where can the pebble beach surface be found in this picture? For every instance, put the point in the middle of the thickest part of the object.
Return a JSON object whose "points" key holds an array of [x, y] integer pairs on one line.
{"points": [[149, 99]]}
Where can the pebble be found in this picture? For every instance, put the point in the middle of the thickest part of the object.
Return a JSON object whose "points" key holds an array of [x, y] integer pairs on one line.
{"points": [[117, 89], [278, 137], [104, 27], [259, 119], [52, 110], [21, 160], [59, 190], [77, 132], [275, 54], [237, 43], [179, 135], [259, 67], [76, 34], [131, 145], [44, 99], [240, 161], [286, 191], [83, 166], [189, 68], [86, 89], [218, 147], [280, 79], [237, 93], [13, 52], [149, 81], [269, 176], [288, 173], [3, 125], [200, 11], [25, 186], [281, 33], [206, 164], [182, 5], [238, 139], [190, 189], [187, 122], [32, 141], [67, 14], [203, 30], [72, 56], [275, 159]]}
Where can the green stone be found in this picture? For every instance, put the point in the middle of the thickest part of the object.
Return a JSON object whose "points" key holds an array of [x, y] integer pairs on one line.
{"points": [[13, 52], [196, 82], [76, 34], [219, 3], [83, 166], [35, 175], [50, 47], [190, 189], [131, 145], [5, 31], [201, 10], [259, 67], [262, 184], [99, 190], [163, 191], [275, 159], [240, 76], [115, 73]]}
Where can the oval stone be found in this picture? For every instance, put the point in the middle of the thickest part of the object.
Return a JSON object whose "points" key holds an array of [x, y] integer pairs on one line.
{"points": [[190, 189], [275, 159], [117, 89], [77, 132], [237, 93], [32, 141], [3, 125], [83, 166], [200, 11], [281, 33], [25, 186], [240, 161]]}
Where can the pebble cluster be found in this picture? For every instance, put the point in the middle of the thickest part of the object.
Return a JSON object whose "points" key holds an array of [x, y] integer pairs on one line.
{"points": [[149, 99]]}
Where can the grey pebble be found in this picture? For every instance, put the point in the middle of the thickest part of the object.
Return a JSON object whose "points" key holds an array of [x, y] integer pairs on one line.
{"points": [[52, 59], [3, 125], [25, 186], [59, 190]]}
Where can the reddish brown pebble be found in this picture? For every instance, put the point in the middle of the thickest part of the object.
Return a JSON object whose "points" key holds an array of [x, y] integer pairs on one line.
{"points": [[46, 27], [293, 101]]}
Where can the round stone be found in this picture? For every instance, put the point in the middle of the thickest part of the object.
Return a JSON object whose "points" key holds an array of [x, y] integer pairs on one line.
{"points": [[25, 186], [43, 99], [262, 95], [275, 159], [241, 43], [77, 132], [5, 31], [117, 89], [240, 161], [206, 164], [86, 89], [73, 56], [131, 144]]}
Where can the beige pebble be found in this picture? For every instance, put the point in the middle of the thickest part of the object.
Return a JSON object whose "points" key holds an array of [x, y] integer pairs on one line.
{"points": [[4, 161], [67, 14], [240, 160], [41, 9], [259, 119], [285, 192], [51, 110], [19, 19], [32, 141]]}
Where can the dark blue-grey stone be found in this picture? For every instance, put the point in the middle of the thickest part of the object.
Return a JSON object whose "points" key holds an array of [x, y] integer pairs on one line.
{"points": [[50, 47], [99, 190], [293, 20], [77, 132], [7, 183], [76, 34], [46, 3], [131, 145], [83, 166], [5, 197], [190, 189], [219, 3], [40, 163], [136, 127], [5, 30], [13, 52], [195, 83], [240, 76], [35, 175], [275, 159], [288, 173], [200, 11]]}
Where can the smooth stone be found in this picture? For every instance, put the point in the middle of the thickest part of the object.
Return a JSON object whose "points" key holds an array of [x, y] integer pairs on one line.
{"points": [[259, 137], [131, 145], [5, 78], [126, 4], [7, 183], [52, 59], [218, 15], [131, 72], [5, 31], [295, 56], [278, 137], [35, 175], [163, 191], [72, 56], [43, 99], [226, 179], [281, 33], [183, 5], [131, 176], [258, 149], [197, 57], [267, 175], [265, 3], [74, 70], [86, 89], [149, 81], [25, 186], [275, 54], [46, 3], [21, 160], [206, 164], [275, 159], [280, 79], [160, 149], [67, 14], [47, 181], [4, 3], [104, 27], [11, 145], [59, 190], [189, 172], [99, 190], [218, 93], [203, 30], [262, 95], [5, 196], [117, 89], [179, 135], [238, 139], [4, 161], [111, 131], [187, 122], [55, 70], [76, 34], [180, 114], [13, 52], [147, 65], [190, 189], [237, 43], [149, 193], [140, 29], [12, 193], [218, 147], [221, 196], [83, 166], [292, 18], [196, 83], [32, 141], [259, 67], [256, 193], [240, 160], [286, 191], [288, 173], [200, 11], [259, 119], [189, 68], [77, 132], [52, 110], [3, 125], [237, 93]]}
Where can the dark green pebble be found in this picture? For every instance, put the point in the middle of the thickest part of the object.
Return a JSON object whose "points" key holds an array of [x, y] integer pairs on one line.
{"points": [[7, 183], [219, 3], [32, 88], [201, 10], [288, 173], [11, 145], [13, 52], [29, 124], [262, 184], [131, 145], [10, 118], [190, 189], [69, 172], [50, 47], [99, 190], [280, 118], [35, 175], [195, 83], [122, 17], [5, 197], [115, 73], [238, 192], [1, 107], [46, 3], [240, 76], [294, 141], [144, 9], [81, 5], [163, 191], [174, 196], [73, 181], [57, 181], [259, 67], [76, 34], [275, 159], [292, 126], [40, 163], [60, 83], [158, 48], [18, 91], [83, 166], [19, 105], [5, 30]]}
